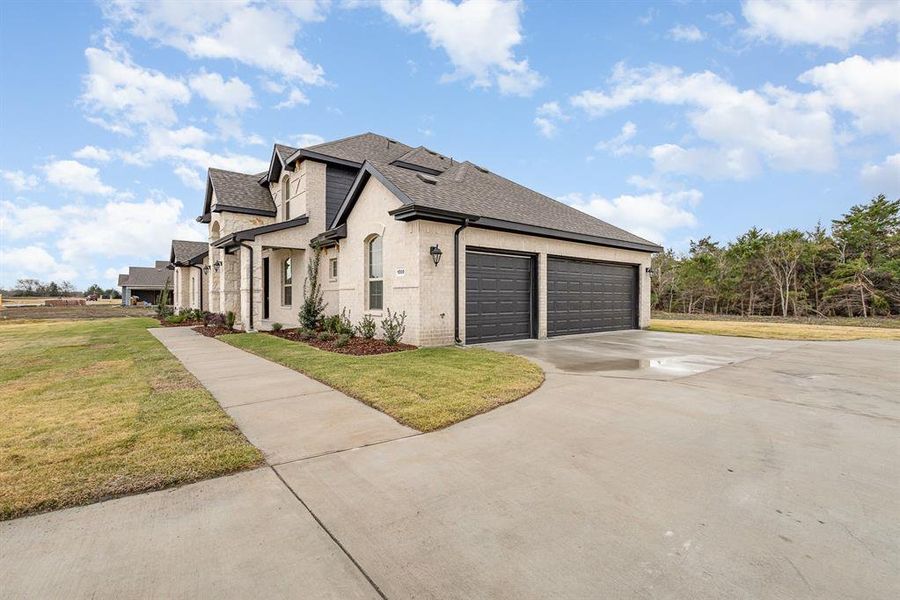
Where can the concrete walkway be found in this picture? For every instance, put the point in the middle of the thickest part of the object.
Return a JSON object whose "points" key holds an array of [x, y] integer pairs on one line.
{"points": [[283, 413]]}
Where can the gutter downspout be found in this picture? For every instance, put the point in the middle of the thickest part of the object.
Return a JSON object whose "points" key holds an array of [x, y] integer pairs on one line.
{"points": [[250, 248], [465, 223], [200, 268]]}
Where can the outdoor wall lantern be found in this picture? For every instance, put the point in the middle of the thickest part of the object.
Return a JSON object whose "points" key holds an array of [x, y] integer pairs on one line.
{"points": [[206, 269], [217, 265], [436, 254]]}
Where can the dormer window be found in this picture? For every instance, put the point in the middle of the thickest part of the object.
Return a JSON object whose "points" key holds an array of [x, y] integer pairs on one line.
{"points": [[285, 195]]}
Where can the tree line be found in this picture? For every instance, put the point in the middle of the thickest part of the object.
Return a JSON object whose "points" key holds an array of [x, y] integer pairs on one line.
{"points": [[851, 269], [40, 289]]}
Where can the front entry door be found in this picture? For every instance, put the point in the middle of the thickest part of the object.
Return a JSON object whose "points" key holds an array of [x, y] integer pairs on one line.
{"points": [[265, 274]]}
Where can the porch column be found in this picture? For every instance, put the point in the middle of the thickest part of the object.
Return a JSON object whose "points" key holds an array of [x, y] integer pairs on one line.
{"points": [[251, 280]]}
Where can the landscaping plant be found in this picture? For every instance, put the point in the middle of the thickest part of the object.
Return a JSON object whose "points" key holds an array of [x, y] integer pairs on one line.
{"points": [[163, 309], [277, 326], [229, 319], [313, 303], [366, 327], [394, 326], [342, 340]]}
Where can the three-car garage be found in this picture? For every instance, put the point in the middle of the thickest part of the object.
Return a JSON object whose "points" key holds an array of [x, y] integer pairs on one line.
{"points": [[582, 296]]}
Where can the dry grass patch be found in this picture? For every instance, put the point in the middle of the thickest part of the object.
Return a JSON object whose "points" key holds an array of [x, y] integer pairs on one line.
{"points": [[775, 331], [95, 409], [426, 389]]}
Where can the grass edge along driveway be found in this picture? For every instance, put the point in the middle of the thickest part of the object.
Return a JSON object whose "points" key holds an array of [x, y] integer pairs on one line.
{"points": [[95, 409], [775, 331], [426, 389]]}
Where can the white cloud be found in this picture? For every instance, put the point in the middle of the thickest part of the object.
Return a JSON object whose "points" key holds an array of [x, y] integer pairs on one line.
{"points": [[723, 19], [478, 36], [827, 23], [549, 115], [77, 177], [33, 261], [92, 153], [709, 163], [25, 221], [883, 178], [191, 178], [649, 215], [618, 146], [229, 96], [294, 98], [260, 35], [19, 180], [868, 89], [787, 130], [686, 33], [185, 146], [306, 139], [124, 92]]}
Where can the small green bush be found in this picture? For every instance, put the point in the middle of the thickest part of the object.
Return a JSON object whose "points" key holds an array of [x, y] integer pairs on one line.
{"points": [[305, 334], [394, 326], [326, 336], [366, 327], [229, 319], [342, 340], [277, 326], [176, 319]]}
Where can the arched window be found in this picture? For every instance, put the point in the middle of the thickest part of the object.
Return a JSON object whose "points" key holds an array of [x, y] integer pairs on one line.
{"points": [[287, 279], [285, 194], [374, 274]]}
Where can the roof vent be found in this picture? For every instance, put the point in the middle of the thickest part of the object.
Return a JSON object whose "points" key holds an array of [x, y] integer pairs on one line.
{"points": [[426, 178]]}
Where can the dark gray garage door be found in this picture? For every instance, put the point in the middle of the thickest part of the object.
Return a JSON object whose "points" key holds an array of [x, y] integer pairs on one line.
{"points": [[498, 297], [585, 296]]}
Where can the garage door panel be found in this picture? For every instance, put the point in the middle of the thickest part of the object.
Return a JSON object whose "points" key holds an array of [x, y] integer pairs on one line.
{"points": [[585, 296], [498, 297]]}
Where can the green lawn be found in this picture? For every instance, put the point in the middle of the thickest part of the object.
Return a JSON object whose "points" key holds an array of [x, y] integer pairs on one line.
{"points": [[426, 389], [775, 331], [96, 409]]}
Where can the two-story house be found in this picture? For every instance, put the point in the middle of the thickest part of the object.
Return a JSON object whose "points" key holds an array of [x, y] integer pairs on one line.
{"points": [[468, 255]]}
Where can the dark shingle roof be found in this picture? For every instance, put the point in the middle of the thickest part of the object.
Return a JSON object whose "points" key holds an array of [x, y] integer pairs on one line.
{"points": [[148, 277], [424, 157], [469, 189], [240, 190], [366, 146], [284, 151], [184, 250]]}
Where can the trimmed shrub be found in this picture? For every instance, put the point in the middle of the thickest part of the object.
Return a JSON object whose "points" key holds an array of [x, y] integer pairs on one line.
{"points": [[394, 326], [229, 319], [366, 327], [326, 336], [342, 340], [277, 326]]}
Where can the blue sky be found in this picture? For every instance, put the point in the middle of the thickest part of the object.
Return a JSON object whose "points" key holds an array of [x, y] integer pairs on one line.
{"points": [[675, 120]]}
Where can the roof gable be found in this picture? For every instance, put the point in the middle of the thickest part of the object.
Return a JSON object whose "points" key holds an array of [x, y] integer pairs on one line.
{"points": [[184, 251], [237, 192]]}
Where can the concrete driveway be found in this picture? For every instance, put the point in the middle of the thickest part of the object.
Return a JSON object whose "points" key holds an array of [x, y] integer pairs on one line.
{"points": [[647, 465]]}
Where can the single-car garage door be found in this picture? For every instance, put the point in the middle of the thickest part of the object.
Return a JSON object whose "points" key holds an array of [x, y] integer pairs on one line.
{"points": [[499, 297], [585, 296]]}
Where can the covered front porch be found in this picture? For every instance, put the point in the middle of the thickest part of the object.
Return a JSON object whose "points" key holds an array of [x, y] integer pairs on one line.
{"points": [[261, 274]]}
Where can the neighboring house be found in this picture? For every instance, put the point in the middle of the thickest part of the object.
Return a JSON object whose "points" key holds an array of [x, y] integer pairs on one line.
{"points": [[191, 268], [144, 284], [468, 255]]}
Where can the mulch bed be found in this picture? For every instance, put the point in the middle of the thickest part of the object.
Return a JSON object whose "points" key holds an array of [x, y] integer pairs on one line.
{"points": [[194, 323], [213, 331], [357, 346]]}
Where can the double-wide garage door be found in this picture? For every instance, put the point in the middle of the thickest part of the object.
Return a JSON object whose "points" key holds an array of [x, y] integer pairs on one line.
{"points": [[582, 296]]}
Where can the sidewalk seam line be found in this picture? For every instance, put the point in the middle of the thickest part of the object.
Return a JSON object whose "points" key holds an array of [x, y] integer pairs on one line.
{"points": [[330, 452], [331, 535]]}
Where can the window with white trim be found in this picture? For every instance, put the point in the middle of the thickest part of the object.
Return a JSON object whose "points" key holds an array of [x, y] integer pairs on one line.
{"points": [[286, 283], [374, 274]]}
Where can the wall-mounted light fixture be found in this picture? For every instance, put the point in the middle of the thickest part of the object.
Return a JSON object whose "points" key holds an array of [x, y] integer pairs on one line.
{"points": [[436, 254], [217, 265], [650, 271], [206, 269]]}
